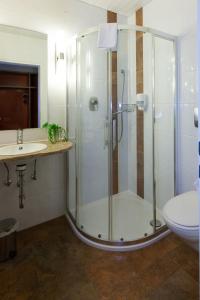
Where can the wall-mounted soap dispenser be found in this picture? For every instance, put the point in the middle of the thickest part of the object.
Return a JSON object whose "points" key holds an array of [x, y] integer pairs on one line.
{"points": [[142, 101]]}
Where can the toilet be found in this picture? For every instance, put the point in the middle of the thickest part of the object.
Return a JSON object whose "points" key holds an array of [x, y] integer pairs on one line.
{"points": [[181, 215]]}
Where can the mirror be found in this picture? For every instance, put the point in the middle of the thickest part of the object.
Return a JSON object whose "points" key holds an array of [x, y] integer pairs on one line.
{"points": [[23, 78], [19, 97]]}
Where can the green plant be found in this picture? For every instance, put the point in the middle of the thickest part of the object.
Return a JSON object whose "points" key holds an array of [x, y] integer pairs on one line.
{"points": [[56, 133]]}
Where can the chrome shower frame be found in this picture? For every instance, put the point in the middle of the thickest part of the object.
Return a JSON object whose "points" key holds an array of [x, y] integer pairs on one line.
{"points": [[157, 232]]}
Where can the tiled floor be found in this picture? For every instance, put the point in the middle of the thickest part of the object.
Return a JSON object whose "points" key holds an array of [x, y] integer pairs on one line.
{"points": [[52, 264]]}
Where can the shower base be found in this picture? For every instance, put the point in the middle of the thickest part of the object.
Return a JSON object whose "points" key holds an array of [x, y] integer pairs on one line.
{"points": [[131, 228]]}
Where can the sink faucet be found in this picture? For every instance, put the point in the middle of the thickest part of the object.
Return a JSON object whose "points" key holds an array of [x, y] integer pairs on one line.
{"points": [[20, 136]]}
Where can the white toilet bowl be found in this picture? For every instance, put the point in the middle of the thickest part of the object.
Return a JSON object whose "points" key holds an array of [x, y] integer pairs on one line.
{"points": [[181, 214]]}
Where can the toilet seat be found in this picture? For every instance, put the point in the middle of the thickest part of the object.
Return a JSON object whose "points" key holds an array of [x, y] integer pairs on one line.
{"points": [[182, 211], [182, 227]]}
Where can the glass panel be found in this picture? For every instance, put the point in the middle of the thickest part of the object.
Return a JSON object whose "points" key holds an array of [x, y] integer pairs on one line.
{"points": [[92, 137], [148, 118], [164, 120], [71, 120], [149, 85], [132, 212]]}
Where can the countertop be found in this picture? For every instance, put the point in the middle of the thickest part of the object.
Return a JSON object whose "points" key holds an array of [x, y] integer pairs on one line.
{"points": [[56, 148]]}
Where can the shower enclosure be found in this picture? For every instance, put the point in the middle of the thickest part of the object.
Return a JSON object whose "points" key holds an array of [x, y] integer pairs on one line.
{"points": [[121, 118]]}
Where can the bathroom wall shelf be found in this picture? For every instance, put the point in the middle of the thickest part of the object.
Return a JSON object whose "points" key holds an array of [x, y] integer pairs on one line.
{"points": [[16, 87], [60, 147]]}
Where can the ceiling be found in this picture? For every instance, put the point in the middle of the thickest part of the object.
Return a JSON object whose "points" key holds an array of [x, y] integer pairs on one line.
{"points": [[124, 7], [71, 16]]}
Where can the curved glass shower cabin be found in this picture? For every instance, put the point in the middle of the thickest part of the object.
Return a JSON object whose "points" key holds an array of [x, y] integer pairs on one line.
{"points": [[121, 117]]}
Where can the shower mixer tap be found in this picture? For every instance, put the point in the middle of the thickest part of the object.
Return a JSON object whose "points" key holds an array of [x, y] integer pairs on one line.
{"points": [[93, 104], [126, 107]]}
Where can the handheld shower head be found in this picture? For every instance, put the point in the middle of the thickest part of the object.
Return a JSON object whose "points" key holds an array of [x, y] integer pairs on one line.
{"points": [[123, 71]]}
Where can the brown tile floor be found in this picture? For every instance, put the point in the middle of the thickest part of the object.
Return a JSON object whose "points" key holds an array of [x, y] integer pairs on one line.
{"points": [[52, 264]]}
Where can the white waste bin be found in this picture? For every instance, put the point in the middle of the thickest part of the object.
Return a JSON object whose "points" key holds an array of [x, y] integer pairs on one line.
{"points": [[8, 240]]}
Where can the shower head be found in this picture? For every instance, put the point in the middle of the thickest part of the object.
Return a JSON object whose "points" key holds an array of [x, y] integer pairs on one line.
{"points": [[122, 71]]}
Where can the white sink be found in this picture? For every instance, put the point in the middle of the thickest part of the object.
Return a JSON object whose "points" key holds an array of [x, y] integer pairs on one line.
{"points": [[20, 149]]}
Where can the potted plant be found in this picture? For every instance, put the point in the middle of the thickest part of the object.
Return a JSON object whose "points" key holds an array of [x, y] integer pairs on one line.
{"points": [[56, 133]]}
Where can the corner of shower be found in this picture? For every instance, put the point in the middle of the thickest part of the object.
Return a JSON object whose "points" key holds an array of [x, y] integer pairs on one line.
{"points": [[116, 188]]}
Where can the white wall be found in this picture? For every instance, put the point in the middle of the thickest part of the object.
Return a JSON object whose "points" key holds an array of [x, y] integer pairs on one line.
{"points": [[178, 17], [188, 134]]}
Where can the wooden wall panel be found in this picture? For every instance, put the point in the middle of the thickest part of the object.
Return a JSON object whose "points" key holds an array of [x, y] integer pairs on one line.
{"points": [[140, 115]]}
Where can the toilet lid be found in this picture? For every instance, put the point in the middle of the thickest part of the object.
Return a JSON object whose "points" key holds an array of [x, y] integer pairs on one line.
{"points": [[183, 209]]}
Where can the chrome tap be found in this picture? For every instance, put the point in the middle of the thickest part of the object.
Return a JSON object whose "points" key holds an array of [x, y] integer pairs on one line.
{"points": [[20, 136]]}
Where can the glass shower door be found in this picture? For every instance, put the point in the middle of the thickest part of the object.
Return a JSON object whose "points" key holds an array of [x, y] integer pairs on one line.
{"points": [[92, 136], [143, 148], [132, 202], [164, 100]]}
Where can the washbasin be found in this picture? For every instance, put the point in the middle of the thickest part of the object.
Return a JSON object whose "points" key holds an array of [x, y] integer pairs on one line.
{"points": [[20, 149]]}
